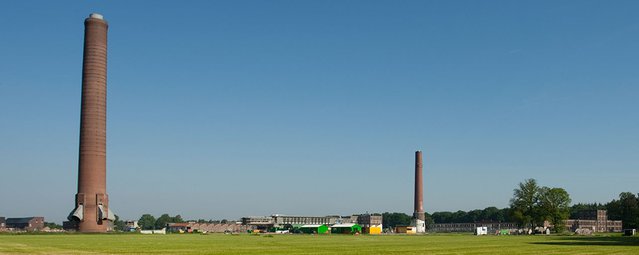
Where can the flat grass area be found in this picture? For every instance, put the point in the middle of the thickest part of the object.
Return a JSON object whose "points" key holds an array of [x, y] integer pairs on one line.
{"points": [[312, 244]]}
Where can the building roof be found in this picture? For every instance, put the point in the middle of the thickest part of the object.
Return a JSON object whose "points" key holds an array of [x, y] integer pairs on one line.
{"points": [[347, 225], [20, 220], [181, 224], [311, 226]]}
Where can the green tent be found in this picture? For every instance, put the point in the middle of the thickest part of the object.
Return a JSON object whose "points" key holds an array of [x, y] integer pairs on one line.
{"points": [[346, 229], [313, 229]]}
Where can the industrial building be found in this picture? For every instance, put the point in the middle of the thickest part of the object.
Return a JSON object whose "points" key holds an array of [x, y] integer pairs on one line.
{"points": [[595, 220], [471, 227], [370, 223], [365, 223], [189, 227], [26, 224], [281, 221]]}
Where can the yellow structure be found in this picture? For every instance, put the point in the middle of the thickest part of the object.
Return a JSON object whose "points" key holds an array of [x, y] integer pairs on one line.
{"points": [[374, 230], [405, 230]]}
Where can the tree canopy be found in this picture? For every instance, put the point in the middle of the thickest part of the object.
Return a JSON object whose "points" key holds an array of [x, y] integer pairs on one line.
{"points": [[395, 219], [531, 205], [626, 208], [524, 202], [554, 206], [489, 214], [146, 222]]}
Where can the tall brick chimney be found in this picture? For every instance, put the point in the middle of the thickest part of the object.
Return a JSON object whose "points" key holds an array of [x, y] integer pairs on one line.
{"points": [[419, 219], [92, 212]]}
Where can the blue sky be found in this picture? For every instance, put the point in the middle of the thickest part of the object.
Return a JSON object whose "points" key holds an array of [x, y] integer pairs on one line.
{"points": [[236, 108]]}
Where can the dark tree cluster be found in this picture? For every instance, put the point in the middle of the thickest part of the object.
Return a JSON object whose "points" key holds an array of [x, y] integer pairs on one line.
{"points": [[580, 207], [626, 209], [391, 220], [52, 225], [489, 214], [224, 221], [147, 221]]}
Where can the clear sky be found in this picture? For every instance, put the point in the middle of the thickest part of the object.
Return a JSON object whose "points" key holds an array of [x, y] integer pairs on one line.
{"points": [[237, 108]]}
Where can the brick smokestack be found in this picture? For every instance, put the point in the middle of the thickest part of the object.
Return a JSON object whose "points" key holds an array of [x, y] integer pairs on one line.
{"points": [[418, 214], [92, 203]]}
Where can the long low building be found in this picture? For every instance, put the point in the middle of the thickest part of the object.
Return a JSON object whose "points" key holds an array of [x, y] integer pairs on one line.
{"points": [[370, 223], [26, 224], [188, 227], [470, 227], [281, 221]]}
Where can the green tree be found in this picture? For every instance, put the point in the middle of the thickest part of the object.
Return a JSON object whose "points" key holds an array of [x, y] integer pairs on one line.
{"points": [[506, 215], [52, 225], [391, 220], [161, 222], [119, 225], [554, 206], [524, 203], [429, 219], [576, 209], [625, 209], [146, 222], [459, 216], [474, 216], [490, 214], [442, 217], [177, 219]]}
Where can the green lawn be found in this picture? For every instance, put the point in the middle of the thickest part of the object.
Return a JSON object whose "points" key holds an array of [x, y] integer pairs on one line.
{"points": [[313, 244]]}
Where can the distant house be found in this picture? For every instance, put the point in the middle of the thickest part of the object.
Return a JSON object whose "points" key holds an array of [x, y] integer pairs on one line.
{"points": [[180, 227], [371, 223], [27, 224], [2, 222], [132, 225]]}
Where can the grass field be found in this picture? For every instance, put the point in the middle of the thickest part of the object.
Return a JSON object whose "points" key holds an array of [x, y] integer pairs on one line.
{"points": [[313, 244]]}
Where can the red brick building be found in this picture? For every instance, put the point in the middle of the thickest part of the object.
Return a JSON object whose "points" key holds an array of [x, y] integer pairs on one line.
{"points": [[27, 224]]}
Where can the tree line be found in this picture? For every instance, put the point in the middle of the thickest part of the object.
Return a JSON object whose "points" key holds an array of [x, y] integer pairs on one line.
{"points": [[530, 206], [147, 221]]}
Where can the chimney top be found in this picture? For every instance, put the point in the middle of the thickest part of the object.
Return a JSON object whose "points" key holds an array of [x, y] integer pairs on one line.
{"points": [[96, 16]]}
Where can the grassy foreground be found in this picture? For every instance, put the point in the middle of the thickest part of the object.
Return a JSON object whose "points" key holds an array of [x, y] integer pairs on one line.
{"points": [[313, 244]]}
